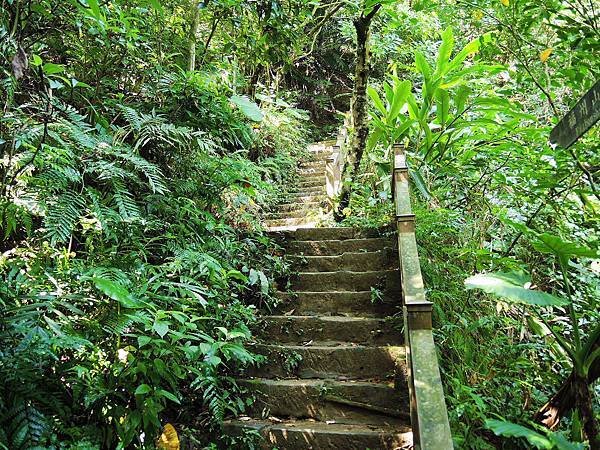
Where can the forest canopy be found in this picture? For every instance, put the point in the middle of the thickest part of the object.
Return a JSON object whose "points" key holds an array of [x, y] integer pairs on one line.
{"points": [[143, 141]]}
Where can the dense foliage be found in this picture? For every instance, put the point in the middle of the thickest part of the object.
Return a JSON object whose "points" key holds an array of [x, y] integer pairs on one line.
{"points": [[142, 139]]}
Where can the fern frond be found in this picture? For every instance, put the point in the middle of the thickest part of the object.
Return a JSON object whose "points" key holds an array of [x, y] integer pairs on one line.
{"points": [[125, 203], [105, 215], [62, 214], [149, 170], [24, 426]]}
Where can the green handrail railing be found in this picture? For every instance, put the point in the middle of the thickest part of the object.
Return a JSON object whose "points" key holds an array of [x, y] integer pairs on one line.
{"points": [[429, 416]]}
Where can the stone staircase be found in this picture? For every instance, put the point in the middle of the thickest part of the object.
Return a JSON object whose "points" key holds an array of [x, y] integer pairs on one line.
{"points": [[334, 371], [308, 198]]}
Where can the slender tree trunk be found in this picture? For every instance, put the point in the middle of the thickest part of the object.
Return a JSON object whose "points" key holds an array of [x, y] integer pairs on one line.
{"points": [[194, 36], [362, 25], [215, 24]]}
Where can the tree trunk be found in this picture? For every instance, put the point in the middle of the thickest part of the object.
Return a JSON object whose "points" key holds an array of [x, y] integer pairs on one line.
{"points": [[583, 400], [362, 25], [570, 395], [194, 36]]}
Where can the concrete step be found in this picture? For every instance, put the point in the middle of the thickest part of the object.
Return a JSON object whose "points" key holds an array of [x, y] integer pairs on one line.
{"points": [[337, 247], [338, 233], [302, 329], [310, 435], [350, 402], [339, 303], [359, 261], [384, 280], [340, 361]]}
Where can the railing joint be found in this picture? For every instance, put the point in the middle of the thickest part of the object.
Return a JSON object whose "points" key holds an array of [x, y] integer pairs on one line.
{"points": [[419, 315], [405, 217]]}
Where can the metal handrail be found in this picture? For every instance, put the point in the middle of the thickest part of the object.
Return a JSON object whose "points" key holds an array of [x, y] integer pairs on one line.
{"points": [[429, 416]]}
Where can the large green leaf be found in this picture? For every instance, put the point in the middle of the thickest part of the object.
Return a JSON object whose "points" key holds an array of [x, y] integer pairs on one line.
{"points": [[549, 243], [250, 109], [442, 100], [509, 429], [401, 91], [422, 65], [376, 100], [511, 286], [444, 52], [117, 292]]}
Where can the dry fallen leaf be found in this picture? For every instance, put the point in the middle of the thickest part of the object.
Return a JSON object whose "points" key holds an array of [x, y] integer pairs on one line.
{"points": [[168, 440]]}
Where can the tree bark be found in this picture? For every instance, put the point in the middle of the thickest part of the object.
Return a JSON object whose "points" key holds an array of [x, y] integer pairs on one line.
{"points": [[583, 401], [362, 25], [574, 392], [195, 26]]}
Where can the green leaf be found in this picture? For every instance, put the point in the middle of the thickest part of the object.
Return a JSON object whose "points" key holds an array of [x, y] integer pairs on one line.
{"points": [[560, 442], [161, 327], [442, 100], [253, 277], [168, 395], [95, 7], [470, 48], [250, 109], [264, 283], [549, 243], [401, 91], [509, 429], [51, 68], [143, 340], [444, 52], [511, 287], [36, 61], [401, 129], [143, 389], [417, 178], [422, 65], [377, 100], [460, 98], [156, 5], [117, 292]]}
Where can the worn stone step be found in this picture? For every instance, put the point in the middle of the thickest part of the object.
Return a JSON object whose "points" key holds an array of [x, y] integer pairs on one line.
{"points": [[309, 172], [352, 402], [302, 329], [336, 360], [311, 435], [289, 223], [307, 197], [338, 233], [359, 261], [318, 163], [337, 247], [296, 213], [345, 280], [283, 207], [303, 184], [365, 303]]}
